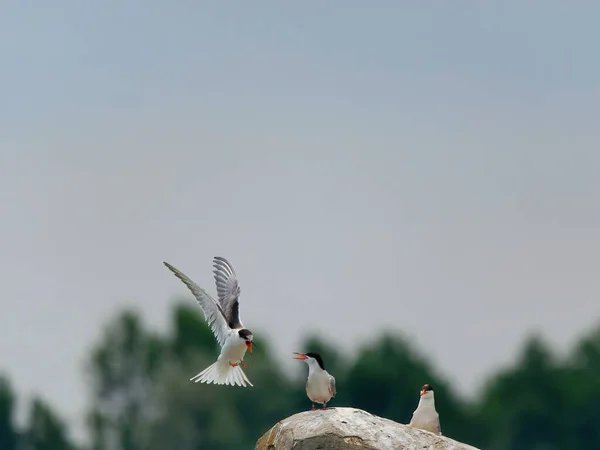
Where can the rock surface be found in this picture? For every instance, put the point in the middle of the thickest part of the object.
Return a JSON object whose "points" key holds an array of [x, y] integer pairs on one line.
{"points": [[350, 429]]}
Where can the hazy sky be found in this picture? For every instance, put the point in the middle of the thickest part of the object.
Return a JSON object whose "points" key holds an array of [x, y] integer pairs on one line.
{"points": [[429, 167]]}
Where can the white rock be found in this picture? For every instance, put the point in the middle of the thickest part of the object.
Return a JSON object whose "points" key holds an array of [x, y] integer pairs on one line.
{"points": [[350, 429]]}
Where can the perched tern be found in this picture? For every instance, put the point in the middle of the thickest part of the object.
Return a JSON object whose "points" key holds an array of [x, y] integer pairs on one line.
{"points": [[320, 385], [224, 320], [425, 416]]}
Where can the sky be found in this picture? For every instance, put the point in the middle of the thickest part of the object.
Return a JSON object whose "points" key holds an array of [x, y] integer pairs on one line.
{"points": [[421, 167]]}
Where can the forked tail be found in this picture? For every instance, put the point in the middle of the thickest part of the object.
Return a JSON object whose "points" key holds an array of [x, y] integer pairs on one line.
{"points": [[221, 372]]}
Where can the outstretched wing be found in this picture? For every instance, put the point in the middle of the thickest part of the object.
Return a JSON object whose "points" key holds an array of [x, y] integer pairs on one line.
{"points": [[332, 390], [213, 313], [228, 291]]}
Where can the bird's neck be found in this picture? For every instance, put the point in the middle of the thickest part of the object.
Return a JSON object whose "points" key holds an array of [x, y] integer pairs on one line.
{"points": [[313, 367], [427, 403]]}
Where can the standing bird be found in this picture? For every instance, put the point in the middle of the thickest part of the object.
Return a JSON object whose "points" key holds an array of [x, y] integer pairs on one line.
{"points": [[224, 320], [320, 385], [425, 416]]}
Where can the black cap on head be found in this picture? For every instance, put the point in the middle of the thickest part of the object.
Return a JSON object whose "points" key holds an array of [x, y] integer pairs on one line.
{"points": [[426, 387], [245, 334], [318, 358]]}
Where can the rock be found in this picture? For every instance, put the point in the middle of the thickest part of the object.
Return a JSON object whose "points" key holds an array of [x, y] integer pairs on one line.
{"points": [[350, 429]]}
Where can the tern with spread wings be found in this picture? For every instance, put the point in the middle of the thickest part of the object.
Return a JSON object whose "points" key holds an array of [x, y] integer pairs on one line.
{"points": [[224, 320]]}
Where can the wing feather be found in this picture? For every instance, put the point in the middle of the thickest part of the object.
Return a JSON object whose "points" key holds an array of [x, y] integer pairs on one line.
{"points": [[213, 312], [228, 291], [332, 390]]}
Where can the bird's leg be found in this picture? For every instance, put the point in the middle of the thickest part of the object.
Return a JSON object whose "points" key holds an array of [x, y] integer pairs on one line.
{"points": [[324, 406], [313, 407], [245, 366], [232, 365]]}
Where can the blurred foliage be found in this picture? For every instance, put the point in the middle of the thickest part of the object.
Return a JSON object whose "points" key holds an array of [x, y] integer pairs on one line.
{"points": [[142, 396], [8, 433], [45, 431]]}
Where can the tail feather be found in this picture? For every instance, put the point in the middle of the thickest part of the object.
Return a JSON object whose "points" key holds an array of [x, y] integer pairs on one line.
{"points": [[221, 372]]}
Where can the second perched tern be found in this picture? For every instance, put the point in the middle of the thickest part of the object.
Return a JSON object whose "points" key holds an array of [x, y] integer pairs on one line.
{"points": [[224, 320], [320, 385], [425, 416]]}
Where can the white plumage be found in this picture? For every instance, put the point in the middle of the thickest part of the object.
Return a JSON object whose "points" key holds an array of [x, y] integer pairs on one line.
{"points": [[224, 320], [320, 384], [425, 416]]}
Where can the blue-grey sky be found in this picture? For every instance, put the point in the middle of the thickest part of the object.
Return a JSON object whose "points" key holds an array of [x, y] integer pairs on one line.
{"points": [[429, 167]]}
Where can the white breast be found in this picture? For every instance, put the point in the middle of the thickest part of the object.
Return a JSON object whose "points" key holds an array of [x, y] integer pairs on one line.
{"points": [[233, 350], [317, 387], [426, 418]]}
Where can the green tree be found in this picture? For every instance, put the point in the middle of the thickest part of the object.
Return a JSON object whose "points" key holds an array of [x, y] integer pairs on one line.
{"points": [[143, 397], [122, 370], [8, 433], [45, 431], [524, 407], [583, 392]]}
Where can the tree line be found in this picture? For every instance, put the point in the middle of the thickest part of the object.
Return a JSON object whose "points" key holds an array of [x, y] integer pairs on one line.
{"points": [[143, 399]]}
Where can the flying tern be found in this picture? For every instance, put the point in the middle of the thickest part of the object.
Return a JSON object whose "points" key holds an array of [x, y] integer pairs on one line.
{"points": [[224, 320], [425, 416], [320, 385]]}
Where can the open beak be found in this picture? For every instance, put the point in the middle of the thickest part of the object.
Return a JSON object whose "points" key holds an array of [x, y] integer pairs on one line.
{"points": [[249, 345], [301, 356]]}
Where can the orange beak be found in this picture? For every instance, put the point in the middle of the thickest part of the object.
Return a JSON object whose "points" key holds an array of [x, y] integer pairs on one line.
{"points": [[301, 356], [423, 392], [249, 345]]}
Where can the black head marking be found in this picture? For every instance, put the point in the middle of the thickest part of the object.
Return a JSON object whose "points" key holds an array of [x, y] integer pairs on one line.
{"points": [[245, 334], [318, 358], [426, 387]]}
